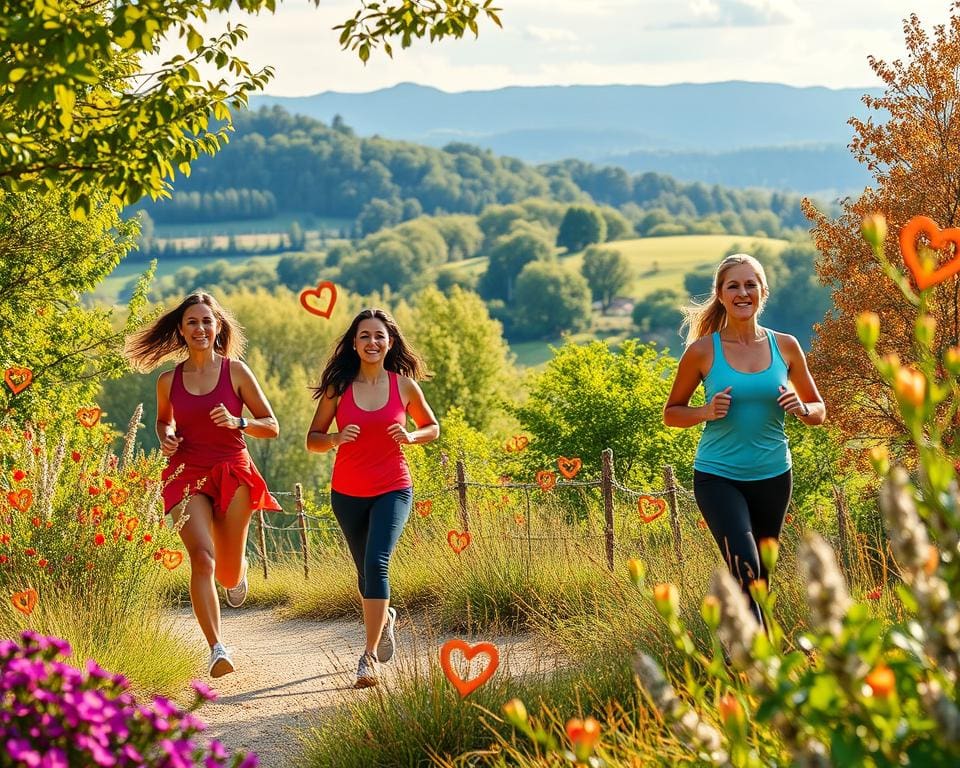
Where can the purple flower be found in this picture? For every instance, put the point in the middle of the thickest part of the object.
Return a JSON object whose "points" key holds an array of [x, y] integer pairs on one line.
{"points": [[250, 760], [203, 690], [19, 749]]}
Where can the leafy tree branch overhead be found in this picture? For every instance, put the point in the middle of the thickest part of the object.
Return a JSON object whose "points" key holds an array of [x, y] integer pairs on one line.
{"points": [[77, 113]]}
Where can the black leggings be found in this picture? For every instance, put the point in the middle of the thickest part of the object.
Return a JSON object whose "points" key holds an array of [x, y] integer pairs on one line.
{"points": [[741, 513], [372, 526]]}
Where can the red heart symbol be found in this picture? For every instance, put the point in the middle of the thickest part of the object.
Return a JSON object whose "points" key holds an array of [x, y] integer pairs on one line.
{"points": [[939, 239], [171, 559], [546, 479], [21, 499], [423, 507], [458, 541], [465, 687], [25, 601], [569, 467], [309, 295], [650, 508], [88, 416], [18, 379]]}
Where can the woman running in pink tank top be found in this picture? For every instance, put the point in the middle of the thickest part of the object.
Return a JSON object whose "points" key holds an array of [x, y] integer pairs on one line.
{"points": [[211, 485], [369, 386]]}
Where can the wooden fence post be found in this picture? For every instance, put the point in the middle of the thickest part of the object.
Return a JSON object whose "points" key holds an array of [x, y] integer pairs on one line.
{"points": [[844, 526], [670, 488], [606, 484], [261, 535], [462, 494], [302, 523]]}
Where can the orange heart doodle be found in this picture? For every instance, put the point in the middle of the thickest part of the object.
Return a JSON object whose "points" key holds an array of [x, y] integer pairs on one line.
{"points": [[20, 500], [939, 239], [423, 507], [650, 508], [88, 416], [569, 467], [25, 601], [171, 559], [546, 479], [519, 519], [458, 541], [310, 295], [516, 443], [466, 687], [118, 496], [18, 379]]}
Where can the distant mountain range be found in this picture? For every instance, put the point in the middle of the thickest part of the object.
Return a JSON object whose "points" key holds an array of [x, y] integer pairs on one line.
{"points": [[733, 133]]}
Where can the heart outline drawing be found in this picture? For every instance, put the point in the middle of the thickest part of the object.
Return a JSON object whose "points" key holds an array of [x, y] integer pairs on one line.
{"points": [[466, 687], [307, 295]]}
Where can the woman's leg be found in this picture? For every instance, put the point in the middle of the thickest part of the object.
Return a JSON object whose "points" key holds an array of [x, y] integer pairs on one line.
{"points": [[387, 517], [230, 538], [724, 507], [353, 517], [767, 501], [197, 537]]}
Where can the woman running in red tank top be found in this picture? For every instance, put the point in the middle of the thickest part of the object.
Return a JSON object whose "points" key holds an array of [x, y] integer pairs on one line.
{"points": [[369, 386], [211, 485]]}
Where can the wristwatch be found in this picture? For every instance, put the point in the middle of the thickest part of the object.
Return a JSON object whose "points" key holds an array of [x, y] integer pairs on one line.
{"points": [[243, 424], [806, 410]]}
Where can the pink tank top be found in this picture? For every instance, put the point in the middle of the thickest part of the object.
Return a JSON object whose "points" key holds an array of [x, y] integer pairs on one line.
{"points": [[374, 463], [204, 443]]}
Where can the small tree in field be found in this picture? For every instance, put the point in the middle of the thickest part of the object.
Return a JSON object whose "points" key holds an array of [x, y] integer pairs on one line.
{"points": [[580, 227], [607, 272]]}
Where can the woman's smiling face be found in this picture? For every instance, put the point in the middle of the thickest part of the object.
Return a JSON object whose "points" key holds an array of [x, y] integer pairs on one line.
{"points": [[741, 292]]}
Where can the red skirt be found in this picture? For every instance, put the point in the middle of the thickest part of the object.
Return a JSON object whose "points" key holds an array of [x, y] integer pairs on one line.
{"points": [[219, 483]]}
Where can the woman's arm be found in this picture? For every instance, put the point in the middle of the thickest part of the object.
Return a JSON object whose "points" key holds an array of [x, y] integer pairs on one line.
{"points": [[428, 428], [263, 424], [804, 400], [678, 412], [319, 440], [166, 426]]}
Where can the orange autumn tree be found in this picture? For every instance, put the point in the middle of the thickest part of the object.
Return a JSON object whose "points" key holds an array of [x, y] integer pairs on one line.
{"points": [[912, 148]]}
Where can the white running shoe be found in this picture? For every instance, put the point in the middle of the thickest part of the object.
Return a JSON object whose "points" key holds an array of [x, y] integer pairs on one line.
{"points": [[387, 642], [220, 662], [366, 671], [236, 596]]}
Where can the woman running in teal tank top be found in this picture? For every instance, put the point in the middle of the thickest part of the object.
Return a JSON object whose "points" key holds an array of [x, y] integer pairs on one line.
{"points": [[752, 378]]}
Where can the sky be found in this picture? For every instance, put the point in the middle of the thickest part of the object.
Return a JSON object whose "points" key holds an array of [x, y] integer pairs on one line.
{"points": [[564, 42]]}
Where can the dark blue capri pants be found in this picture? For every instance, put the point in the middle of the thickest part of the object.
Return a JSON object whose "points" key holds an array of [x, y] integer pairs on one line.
{"points": [[372, 526], [741, 513]]}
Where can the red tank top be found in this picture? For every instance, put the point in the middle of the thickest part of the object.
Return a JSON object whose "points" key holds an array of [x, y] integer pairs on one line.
{"points": [[374, 463], [204, 443]]}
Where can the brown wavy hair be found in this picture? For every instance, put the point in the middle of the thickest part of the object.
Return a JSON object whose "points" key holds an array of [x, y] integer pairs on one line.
{"points": [[344, 364], [702, 319], [161, 340]]}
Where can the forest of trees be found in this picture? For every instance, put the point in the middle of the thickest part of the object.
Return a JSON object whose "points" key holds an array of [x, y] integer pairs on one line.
{"points": [[305, 166]]}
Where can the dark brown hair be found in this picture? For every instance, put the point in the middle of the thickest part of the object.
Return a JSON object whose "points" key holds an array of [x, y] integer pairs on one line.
{"points": [[344, 364], [160, 340]]}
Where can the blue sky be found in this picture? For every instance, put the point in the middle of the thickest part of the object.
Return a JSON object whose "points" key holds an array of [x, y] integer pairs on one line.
{"points": [[547, 42]]}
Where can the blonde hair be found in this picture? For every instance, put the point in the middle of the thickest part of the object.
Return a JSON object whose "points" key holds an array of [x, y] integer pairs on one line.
{"points": [[150, 346], [703, 318]]}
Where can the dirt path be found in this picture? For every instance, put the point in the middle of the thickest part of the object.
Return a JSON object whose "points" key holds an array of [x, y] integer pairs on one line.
{"points": [[290, 673]]}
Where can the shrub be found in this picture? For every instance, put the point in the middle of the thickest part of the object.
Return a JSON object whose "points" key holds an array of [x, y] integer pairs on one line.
{"points": [[57, 715]]}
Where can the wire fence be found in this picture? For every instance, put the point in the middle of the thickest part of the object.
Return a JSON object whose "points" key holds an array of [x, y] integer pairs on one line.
{"points": [[291, 538]]}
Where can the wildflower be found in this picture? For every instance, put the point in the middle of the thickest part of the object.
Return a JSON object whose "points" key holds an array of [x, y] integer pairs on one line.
{"points": [[881, 681], [18, 475], [30, 552], [35, 522], [826, 589], [875, 593], [93, 490], [666, 598], [515, 712], [769, 552], [203, 690], [731, 712], [99, 538], [147, 538], [42, 562], [738, 625], [76, 455], [951, 360], [638, 570], [874, 229], [910, 386], [583, 735], [868, 329]]}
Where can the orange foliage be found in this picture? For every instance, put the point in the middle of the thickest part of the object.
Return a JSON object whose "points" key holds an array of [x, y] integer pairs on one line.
{"points": [[912, 148]]}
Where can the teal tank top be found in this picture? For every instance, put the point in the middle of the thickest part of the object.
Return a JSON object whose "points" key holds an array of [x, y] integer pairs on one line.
{"points": [[749, 443]]}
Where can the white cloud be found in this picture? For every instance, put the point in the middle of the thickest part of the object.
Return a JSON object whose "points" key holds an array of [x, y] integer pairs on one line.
{"points": [[733, 13], [552, 35]]}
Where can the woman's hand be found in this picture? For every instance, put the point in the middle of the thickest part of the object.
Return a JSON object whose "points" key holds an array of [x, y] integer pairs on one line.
{"points": [[790, 402], [399, 434], [719, 405], [223, 418], [169, 445], [347, 435]]}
